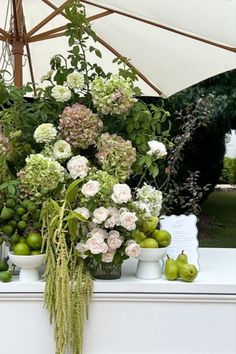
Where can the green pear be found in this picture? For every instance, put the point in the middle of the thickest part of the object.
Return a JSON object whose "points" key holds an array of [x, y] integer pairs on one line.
{"points": [[149, 225], [163, 237], [149, 243], [182, 258], [138, 235], [171, 269], [7, 213], [187, 272]]}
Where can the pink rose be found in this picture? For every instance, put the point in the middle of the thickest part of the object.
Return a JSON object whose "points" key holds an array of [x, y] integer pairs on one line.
{"points": [[96, 245], [114, 240], [133, 249], [100, 215], [128, 220], [108, 257], [98, 233], [121, 193], [90, 188]]}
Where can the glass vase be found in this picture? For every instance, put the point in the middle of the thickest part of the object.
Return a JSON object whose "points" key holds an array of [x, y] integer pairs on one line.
{"points": [[106, 271]]}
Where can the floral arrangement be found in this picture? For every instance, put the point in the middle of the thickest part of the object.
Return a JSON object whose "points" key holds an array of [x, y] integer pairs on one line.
{"points": [[79, 167]]}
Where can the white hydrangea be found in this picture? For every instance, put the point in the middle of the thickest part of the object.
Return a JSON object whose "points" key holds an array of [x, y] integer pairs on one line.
{"points": [[61, 150], [151, 197], [45, 133], [61, 93], [75, 81], [157, 149]]}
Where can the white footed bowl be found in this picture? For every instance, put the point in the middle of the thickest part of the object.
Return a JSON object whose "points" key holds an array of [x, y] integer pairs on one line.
{"points": [[149, 266], [28, 266]]}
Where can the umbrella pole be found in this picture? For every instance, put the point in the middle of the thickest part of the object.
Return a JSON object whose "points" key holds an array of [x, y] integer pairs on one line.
{"points": [[17, 51]]}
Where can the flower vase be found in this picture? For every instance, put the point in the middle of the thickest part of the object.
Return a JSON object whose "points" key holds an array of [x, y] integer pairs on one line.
{"points": [[106, 271]]}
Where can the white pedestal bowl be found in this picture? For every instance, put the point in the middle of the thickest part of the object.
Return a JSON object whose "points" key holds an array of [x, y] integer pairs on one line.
{"points": [[149, 264], [28, 266]]}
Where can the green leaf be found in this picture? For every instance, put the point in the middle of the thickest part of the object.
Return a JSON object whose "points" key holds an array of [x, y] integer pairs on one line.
{"points": [[74, 215], [71, 192], [73, 227]]}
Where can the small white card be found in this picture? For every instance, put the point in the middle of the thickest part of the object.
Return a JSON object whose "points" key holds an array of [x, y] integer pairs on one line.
{"points": [[183, 230]]}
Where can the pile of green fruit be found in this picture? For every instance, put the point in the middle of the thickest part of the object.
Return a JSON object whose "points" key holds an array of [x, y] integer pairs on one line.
{"points": [[19, 223], [147, 235], [5, 273], [180, 268]]}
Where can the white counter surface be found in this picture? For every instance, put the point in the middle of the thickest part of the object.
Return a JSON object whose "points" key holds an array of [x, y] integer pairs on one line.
{"points": [[217, 276]]}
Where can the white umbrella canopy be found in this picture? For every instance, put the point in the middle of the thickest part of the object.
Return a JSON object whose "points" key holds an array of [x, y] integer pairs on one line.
{"points": [[172, 44]]}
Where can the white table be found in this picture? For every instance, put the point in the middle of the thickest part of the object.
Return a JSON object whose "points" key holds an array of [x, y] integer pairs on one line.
{"points": [[134, 316]]}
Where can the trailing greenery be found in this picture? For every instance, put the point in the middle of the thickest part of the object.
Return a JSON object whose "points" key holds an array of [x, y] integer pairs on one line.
{"points": [[68, 284]]}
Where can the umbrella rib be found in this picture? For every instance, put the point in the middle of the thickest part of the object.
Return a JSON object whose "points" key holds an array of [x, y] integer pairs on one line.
{"points": [[170, 29], [4, 33], [47, 19], [50, 34], [3, 38], [31, 68], [117, 54]]}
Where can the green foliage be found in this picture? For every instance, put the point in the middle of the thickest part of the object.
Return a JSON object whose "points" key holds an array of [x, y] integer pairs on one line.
{"points": [[228, 174]]}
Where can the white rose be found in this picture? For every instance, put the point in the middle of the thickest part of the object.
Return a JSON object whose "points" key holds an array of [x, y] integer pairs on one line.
{"points": [[90, 189], [96, 246], [156, 148], [61, 150], [78, 166], [111, 222], [133, 249], [114, 240], [108, 257], [81, 248], [128, 220], [98, 233], [75, 81], [121, 193], [83, 211], [100, 215], [61, 93]]}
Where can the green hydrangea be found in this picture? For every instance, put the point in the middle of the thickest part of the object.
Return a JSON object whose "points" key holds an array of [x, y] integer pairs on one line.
{"points": [[106, 182], [40, 175], [116, 155], [149, 199], [112, 96]]}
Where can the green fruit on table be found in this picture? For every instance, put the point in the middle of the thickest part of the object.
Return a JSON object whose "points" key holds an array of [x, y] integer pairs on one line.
{"points": [[163, 237], [35, 252], [171, 269], [182, 258], [139, 236], [7, 230], [34, 240], [6, 276], [7, 213], [22, 239], [31, 207], [149, 225], [12, 223], [10, 203], [149, 243], [187, 272], [15, 238], [20, 211], [21, 225], [25, 217], [3, 265], [21, 249]]}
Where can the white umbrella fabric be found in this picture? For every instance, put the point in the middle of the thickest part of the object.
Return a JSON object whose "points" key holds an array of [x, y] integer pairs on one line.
{"points": [[172, 44]]}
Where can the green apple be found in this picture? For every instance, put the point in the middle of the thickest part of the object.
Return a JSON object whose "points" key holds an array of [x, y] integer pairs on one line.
{"points": [[149, 243], [149, 225], [187, 272], [163, 237]]}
